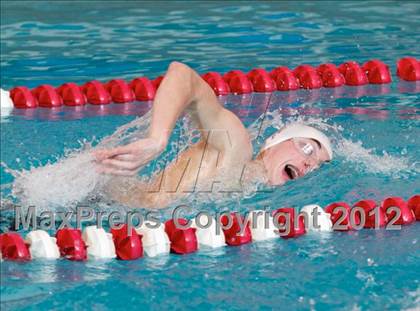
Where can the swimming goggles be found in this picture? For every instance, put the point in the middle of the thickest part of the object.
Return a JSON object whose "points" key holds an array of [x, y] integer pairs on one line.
{"points": [[307, 148]]}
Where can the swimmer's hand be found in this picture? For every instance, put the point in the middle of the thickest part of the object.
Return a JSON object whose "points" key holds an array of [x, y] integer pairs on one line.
{"points": [[129, 159]]}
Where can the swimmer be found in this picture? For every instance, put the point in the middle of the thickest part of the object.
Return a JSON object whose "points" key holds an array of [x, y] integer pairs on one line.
{"points": [[224, 148]]}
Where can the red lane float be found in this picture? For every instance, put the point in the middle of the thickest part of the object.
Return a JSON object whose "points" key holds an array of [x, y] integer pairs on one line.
{"points": [[286, 219], [71, 244], [13, 247], [308, 77], [238, 82], [408, 68], [47, 96], [120, 91], [414, 204], [234, 81], [284, 78], [330, 75], [374, 216], [377, 72], [127, 247], [232, 230], [353, 73], [216, 82], [23, 98], [340, 216], [406, 214], [183, 241], [96, 93], [156, 82], [143, 89], [261, 81], [71, 94]]}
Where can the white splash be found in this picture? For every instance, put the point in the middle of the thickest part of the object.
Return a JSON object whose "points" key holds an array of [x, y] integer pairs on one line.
{"points": [[369, 161], [63, 183], [72, 178], [413, 302], [366, 160]]}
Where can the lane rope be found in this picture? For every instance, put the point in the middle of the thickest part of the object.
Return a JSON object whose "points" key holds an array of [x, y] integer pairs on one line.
{"points": [[174, 236], [233, 82]]}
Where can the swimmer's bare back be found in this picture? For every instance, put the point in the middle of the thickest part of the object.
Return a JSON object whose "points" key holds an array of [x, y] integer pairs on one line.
{"points": [[224, 143]]}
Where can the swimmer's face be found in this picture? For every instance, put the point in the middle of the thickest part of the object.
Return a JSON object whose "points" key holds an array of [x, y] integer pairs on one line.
{"points": [[292, 159]]}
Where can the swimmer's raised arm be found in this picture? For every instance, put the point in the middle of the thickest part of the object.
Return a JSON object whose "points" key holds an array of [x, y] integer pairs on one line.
{"points": [[181, 88]]}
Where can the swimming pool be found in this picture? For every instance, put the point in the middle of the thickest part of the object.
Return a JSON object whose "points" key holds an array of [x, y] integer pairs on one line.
{"points": [[375, 130]]}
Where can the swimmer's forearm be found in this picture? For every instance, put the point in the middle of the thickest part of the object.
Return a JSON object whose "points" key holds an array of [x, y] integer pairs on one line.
{"points": [[180, 89]]}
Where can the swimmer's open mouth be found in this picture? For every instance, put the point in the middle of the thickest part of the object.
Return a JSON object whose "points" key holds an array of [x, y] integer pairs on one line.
{"points": [[291, 171]]}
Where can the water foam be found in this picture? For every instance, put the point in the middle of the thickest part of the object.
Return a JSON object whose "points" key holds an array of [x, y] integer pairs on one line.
{"points": [[72, 178], [60, 184], [367, 161]]}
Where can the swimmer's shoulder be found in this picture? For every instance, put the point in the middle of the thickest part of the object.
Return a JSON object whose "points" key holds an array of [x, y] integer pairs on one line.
{"points": [[233, 141]]}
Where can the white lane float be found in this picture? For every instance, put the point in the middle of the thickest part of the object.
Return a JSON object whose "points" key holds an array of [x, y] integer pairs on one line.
{"points": [[6, 101], [262, 225], [155, 240], [323, 219], [42, 245], [99, 243], [207, 234]]}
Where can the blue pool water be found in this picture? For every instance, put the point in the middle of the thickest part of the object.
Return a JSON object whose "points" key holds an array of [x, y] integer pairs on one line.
{"points": [[375, 129]]}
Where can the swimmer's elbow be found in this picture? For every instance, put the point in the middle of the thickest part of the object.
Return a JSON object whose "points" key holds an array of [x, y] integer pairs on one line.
{"points": [[178, 67], [183, 72], [188, 79], [185, 79]]}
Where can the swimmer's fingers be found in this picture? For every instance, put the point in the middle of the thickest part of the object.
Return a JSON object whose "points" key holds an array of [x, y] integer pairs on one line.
{"points": [[103, 154], [125, 157], [118, 164], [115, 171], [121, 157], [139, 152]]}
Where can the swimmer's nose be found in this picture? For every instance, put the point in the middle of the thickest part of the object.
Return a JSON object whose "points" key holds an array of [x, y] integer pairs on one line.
{"points": [[309, 166]]}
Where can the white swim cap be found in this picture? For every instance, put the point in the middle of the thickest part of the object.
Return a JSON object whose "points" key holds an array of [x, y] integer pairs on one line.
{"points": [[299, 130]]}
